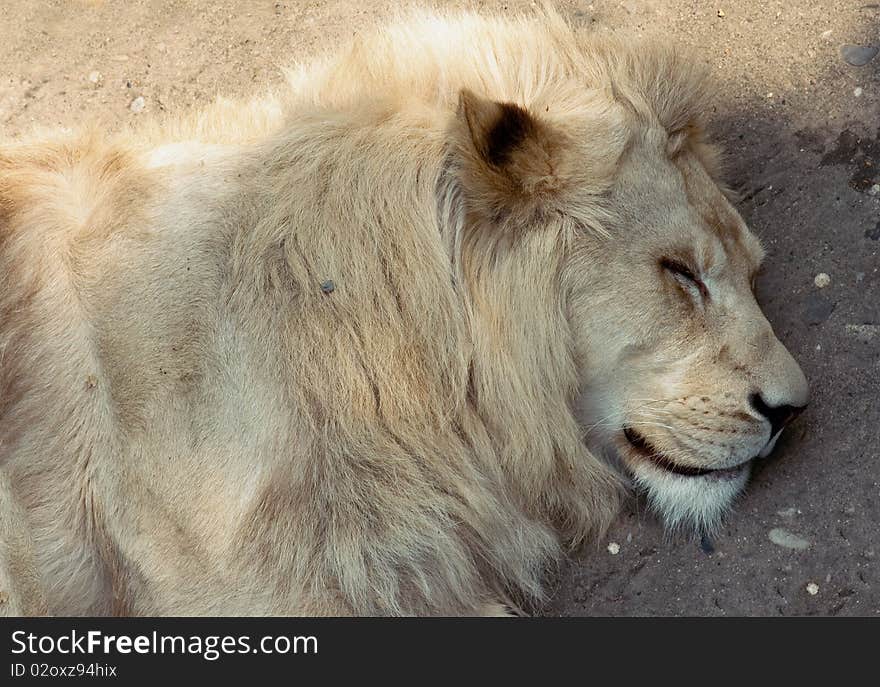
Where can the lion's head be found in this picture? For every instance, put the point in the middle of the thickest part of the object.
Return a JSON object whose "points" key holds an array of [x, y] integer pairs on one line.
{"points": [[687, 383], [682, 381]]}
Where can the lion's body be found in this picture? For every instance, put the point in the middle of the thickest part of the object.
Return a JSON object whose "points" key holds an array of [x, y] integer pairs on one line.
{"points": [[250, 364], [195, 426]]}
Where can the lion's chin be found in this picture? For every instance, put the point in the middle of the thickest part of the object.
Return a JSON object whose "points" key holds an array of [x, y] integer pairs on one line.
{"points": [[686, 499], [697, 503]]}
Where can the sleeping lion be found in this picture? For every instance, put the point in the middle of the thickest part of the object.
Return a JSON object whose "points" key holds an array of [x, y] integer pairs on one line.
{"points": [[384, 343]]}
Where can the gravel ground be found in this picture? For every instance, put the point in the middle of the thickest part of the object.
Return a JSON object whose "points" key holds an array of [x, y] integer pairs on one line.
{"points": [[801, 126]]}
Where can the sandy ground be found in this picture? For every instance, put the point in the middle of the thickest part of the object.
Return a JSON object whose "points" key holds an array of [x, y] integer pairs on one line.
{"points": [[801, 126]]}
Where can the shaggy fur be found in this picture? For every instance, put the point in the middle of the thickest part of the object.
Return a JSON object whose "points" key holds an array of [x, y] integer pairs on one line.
{"points": [[315, 354]]}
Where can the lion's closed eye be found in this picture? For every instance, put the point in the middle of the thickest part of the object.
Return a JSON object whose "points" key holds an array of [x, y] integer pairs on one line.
{"points": [[686, 277]]}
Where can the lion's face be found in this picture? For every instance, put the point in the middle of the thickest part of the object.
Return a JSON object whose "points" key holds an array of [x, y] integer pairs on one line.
{"points": [[686, 383]]}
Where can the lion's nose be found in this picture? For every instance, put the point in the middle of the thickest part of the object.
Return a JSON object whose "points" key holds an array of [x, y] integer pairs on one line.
{"points": [[778, 416]]}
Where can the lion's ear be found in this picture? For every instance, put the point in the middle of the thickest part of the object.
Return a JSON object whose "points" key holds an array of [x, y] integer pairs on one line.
{"points": [[496, 129], [509, 156], [679, 138], [692, 137]]}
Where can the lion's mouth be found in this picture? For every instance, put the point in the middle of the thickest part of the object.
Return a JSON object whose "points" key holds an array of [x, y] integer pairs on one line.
{"points": [[645, 450]]}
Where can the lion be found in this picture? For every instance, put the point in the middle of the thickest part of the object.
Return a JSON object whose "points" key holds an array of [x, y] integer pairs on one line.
{"points": [[388, 341]]}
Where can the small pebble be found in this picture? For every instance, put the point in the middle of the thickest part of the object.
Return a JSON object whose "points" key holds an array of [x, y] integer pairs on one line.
{"points": [[858, 55], [860, 277], [858, 92], [95, 77], [822, 280], [787, 540], [874, 190], [614, 548], [328, 286], [91, 382], [629, 538], [721, 13], [138, 104], [812, 589]]}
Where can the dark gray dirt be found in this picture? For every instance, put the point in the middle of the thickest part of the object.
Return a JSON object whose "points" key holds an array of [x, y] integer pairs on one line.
{"points": [[801, 127]]}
